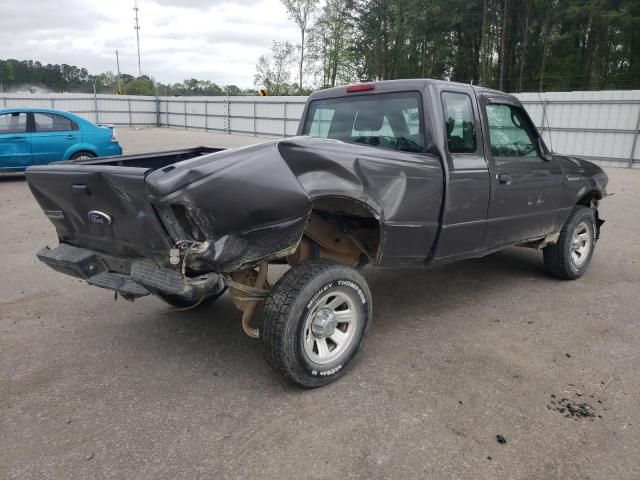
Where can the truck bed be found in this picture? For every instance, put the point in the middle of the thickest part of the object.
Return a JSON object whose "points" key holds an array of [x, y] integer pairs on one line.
{"points": [[151, 161]]}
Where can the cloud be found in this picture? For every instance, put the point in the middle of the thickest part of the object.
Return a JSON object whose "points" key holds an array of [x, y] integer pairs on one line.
{"points": [[202, 4], [214, 40]]}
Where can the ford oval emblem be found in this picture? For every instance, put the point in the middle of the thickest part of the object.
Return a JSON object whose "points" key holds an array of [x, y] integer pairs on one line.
{"points": [[99, 218]]}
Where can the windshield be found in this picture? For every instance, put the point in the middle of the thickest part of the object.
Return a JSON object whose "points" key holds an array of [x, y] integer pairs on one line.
{"points": [[387, 120]]}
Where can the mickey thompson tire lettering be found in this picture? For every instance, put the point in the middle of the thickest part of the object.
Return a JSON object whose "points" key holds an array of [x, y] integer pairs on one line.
{"points": [[287, 308], [346, 283]]}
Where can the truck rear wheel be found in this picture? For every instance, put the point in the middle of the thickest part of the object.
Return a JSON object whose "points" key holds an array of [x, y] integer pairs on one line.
{"points": [[315, 321], [570, 256]]}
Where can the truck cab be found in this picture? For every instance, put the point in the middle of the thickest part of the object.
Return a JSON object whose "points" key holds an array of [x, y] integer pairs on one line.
{"points": [[502, 185]]}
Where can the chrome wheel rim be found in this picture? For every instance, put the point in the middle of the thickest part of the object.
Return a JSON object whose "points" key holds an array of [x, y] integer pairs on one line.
{"points": [[83, 157], [330, 327], [581, 243]]}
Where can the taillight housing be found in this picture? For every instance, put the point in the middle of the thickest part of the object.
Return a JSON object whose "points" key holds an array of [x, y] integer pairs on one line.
{"points": [[360, 87], [114, 135]]}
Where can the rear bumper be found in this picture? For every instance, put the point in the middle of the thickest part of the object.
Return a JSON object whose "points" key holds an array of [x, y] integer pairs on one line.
{"points": [[129, 277]]}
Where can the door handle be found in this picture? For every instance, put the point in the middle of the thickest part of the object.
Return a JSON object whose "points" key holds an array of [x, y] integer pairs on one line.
{"points": [[17, 139], [504, 178], [71, 137]]}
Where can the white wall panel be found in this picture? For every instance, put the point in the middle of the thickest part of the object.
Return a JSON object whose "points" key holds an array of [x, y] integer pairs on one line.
{"points": [[601, 125], [196, 121], [241, 125], [216, 123]]}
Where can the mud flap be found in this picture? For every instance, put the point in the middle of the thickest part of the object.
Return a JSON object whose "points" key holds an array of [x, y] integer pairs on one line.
{"points": [[599, 223]]}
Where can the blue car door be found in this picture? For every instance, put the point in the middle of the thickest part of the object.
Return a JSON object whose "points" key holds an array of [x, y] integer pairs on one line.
{"points": [[52, 136], [15, 145]]}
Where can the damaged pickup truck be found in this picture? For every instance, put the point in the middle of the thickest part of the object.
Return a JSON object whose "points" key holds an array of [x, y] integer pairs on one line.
{"points": [[401, 173]]}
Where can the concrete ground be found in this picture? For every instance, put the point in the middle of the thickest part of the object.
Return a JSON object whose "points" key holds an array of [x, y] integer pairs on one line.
{"points": [[158, 139], [92, 388]]}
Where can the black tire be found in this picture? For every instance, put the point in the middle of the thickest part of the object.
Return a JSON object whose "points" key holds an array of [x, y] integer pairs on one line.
{"points": [[289, 308], [558, 259], [83, 154]]}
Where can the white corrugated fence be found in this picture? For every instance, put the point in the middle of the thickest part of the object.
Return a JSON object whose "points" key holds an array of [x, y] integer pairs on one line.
{"points": [[603, 126]]}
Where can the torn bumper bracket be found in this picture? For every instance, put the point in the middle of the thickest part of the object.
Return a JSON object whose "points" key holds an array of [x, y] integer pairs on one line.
{"points": [[133, 278]]}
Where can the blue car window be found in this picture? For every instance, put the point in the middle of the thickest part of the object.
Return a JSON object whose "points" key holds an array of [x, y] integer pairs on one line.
{"points": [[13, 122], [50, 122]]}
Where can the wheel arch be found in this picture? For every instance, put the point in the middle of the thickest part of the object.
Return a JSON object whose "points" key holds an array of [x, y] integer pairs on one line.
{"points": [[358, 219], [80, 147], [590, 199]]}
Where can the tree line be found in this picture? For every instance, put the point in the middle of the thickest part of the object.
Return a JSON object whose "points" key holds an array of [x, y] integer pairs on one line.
{"points": [[511, 45], [16, 75]]}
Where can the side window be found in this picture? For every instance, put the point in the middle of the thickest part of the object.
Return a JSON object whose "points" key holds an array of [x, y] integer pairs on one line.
{"points": [[458, 117], [13, 123], [510, 132], [50, 122]]}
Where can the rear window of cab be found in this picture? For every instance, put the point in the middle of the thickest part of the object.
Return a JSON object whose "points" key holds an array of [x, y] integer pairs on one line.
{"points": [[385, 120]]}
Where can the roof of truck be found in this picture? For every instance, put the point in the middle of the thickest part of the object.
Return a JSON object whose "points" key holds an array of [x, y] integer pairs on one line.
{"points": [[403, 84]]}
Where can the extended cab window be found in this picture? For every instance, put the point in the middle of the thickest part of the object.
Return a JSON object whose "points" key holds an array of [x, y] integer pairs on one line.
{"points": [[50, 122], [510, 132], [13, 123], [458, 117], [387, 120]]}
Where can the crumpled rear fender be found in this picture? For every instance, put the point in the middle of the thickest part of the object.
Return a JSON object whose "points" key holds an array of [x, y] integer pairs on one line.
{"points": [[403, 190], [247, 204], [253, 204]]}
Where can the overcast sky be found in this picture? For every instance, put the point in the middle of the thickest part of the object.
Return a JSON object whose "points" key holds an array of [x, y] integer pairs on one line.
{"points": [[217, 40]]}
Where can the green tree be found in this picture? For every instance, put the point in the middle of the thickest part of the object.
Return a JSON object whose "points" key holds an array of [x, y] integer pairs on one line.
{"points": [[272, 71], [331, 44], [301, 11], [142, 85]]}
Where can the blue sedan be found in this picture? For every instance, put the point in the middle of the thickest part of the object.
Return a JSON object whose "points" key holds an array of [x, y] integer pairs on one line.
{"points": [[37, 136]]}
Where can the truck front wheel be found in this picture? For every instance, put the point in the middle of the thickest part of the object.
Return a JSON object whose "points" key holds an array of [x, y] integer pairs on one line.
{"points": [[315, 321], [570, 256]]}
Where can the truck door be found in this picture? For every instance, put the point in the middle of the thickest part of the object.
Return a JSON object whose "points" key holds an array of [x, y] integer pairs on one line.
{"points": [[467, 197], [15, 147], [525, 186]]}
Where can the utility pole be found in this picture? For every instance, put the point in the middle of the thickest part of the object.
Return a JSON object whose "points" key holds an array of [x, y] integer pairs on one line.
{"points": [[118, 77], [137, 29]]}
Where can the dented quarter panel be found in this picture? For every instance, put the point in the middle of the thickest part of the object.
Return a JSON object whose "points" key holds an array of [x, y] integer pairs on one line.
{"points": [[403, 189], [253, 203]]}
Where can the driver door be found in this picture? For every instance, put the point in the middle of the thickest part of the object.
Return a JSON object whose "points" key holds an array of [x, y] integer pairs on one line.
{"points": [[525, 186]]}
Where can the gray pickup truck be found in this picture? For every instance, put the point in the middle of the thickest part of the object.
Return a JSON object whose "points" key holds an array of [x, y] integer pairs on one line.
{"points": [[401, 173]]}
